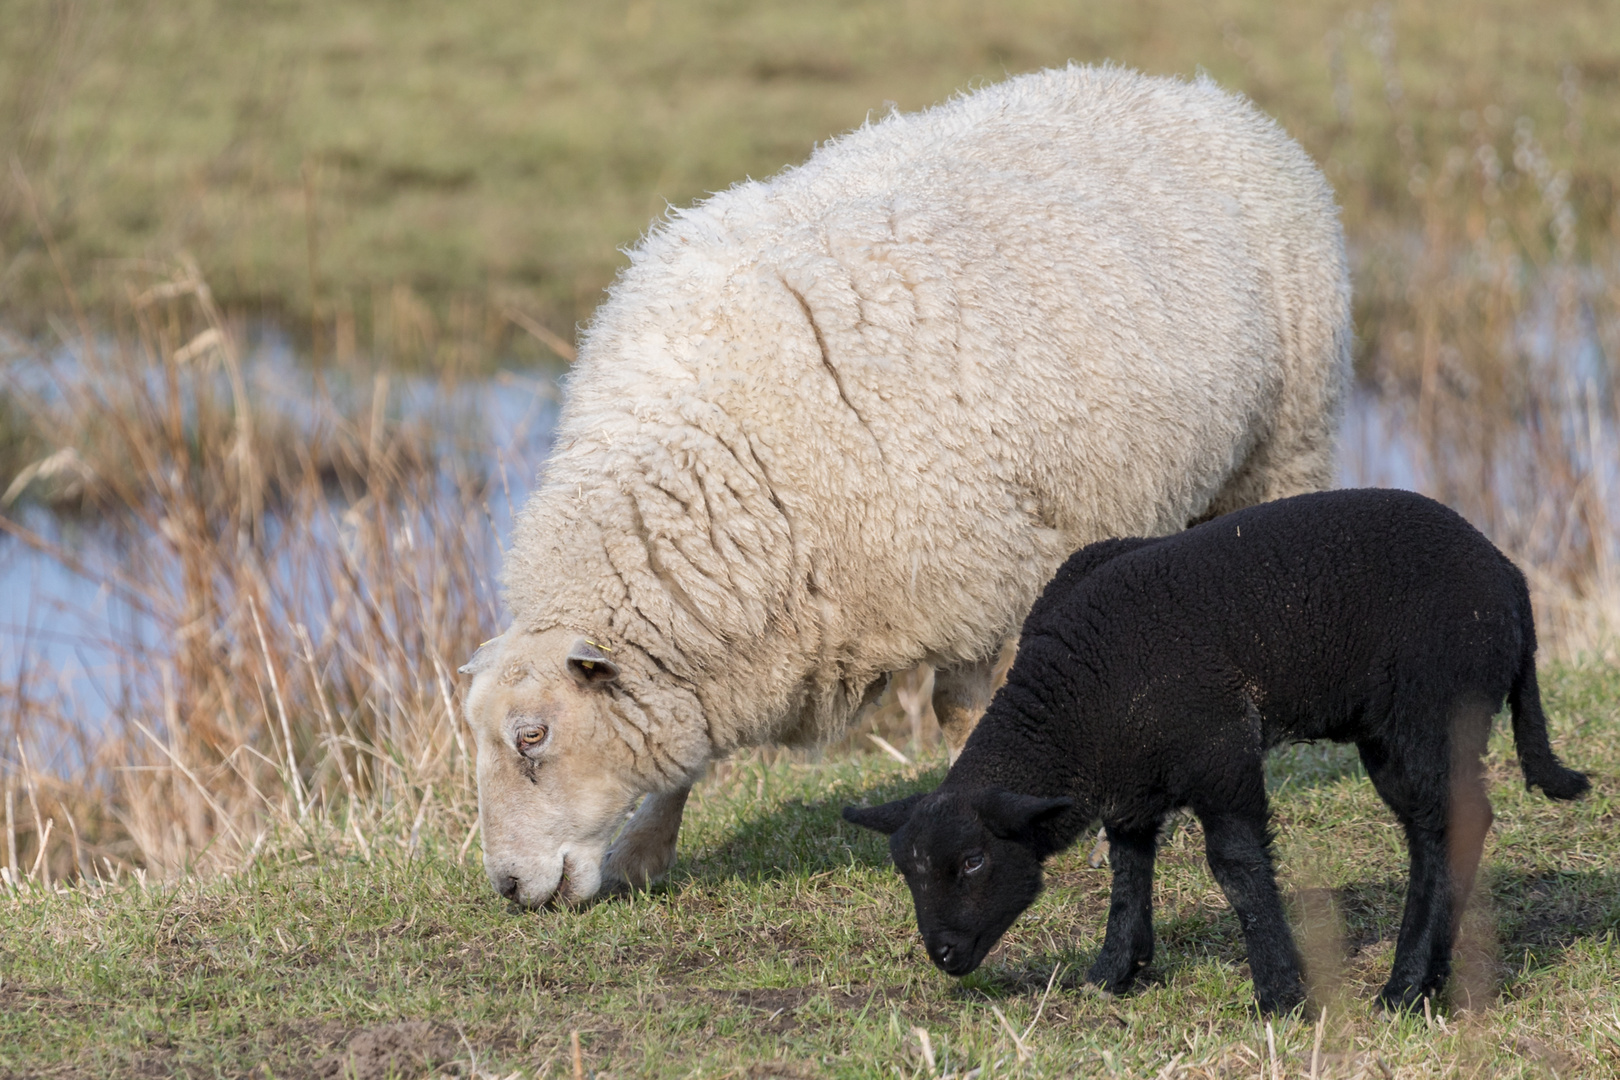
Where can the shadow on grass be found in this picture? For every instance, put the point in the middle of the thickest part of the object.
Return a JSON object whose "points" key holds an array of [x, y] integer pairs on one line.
{"points": [[799, 838], [1300, 766], [802, 837], [1537, 915]]}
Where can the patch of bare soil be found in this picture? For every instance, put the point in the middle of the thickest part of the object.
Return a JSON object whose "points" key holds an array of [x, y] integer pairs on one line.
{"points": [[408, 1048]]}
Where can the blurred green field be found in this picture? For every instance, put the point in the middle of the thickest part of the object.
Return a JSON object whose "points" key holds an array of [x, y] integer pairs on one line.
{"points": [[407, 171]]}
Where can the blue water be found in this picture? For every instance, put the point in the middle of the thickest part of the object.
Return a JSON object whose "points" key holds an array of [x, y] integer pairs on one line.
{"points": [[68, 640]]}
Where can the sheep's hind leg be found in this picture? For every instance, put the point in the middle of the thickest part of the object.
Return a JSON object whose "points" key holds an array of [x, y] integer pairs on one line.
{"points": [[645, 850], [961, 694], [1128, 942], [1238, 849]]}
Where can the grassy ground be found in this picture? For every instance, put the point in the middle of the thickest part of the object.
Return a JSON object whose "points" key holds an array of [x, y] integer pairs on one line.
{"points": [[410, 169], [394, 183], [784, 945]]}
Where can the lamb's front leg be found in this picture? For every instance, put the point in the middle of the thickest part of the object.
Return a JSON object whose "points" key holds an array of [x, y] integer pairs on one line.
{"points": [[1128, 942], [645, 849], [1240, 858]]}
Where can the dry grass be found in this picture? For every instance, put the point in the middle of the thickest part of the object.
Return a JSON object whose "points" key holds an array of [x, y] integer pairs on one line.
{"points": [[304, 604]]}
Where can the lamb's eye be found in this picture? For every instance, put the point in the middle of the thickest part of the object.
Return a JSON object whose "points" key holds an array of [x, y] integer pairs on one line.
{"points": [[530, 738], [973, 863]]}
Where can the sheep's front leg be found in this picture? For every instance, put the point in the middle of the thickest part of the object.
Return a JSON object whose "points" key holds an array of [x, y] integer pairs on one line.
{"points": [[961, 694], [1128, 942], [645, 849], [1240, 858]]}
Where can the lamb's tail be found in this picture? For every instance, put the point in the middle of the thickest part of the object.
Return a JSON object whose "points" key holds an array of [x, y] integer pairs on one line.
{"points": [[1541, 766]]}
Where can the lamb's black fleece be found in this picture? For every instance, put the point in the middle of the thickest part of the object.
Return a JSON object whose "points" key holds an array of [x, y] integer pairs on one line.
{"points": [[1155, 674]]}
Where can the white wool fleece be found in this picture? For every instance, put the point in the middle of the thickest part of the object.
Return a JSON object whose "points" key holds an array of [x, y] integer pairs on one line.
{"points": [[850, 418]]}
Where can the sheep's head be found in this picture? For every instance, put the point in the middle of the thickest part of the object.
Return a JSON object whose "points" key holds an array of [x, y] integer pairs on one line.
{"points": [[972, 861], [570, 734]]}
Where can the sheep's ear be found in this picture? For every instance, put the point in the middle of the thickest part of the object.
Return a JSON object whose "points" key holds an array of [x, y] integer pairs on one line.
{"points": [[885, 819], [590, 664], [1027, 819], [482, 657]]}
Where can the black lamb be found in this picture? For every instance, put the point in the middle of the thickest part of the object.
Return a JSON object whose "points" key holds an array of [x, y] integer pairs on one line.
{"points": [[1154, 674]]}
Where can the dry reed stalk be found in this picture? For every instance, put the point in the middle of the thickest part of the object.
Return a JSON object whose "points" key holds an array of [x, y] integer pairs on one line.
{"points": [[42, 834], [334, 746], [202, 790], [281, 711], [542, 333], [11, 835], [1316, 1044]]}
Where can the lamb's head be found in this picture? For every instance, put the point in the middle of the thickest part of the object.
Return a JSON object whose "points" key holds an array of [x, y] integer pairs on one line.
{"points": [[973, 862], [570, 734]]}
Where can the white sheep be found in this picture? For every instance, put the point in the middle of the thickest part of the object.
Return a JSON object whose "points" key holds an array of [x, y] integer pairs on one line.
{"points": [[850, 419]]}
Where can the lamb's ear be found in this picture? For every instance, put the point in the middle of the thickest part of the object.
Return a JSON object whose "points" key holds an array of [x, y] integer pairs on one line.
{"points": [[885, 819], [1027, 819], [590, 664], [482, 657]]}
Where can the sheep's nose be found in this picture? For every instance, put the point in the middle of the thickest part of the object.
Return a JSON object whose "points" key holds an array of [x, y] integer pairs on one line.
{"points": [[944, 954], [508, 886]]}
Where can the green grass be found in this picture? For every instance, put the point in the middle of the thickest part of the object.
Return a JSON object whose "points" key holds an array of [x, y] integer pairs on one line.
{"points": [[381, 163], [783, 945]]}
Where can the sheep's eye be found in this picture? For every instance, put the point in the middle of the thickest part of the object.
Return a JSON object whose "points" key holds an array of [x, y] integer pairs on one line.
{"points": [[530, 738], [973, 863]]}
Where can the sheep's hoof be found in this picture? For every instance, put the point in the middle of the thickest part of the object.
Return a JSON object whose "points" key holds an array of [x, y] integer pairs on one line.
{"points": [[634, 867]]}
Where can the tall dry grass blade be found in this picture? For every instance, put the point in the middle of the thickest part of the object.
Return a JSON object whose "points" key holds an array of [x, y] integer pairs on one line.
{"points": [[11, 833], [42, 865], [219, 812], [1018, 1044], [416, 825], [335, 749], [78, 852], [293, 779], [42, 223], [542, 333], [41, 834], [1316, 1044]]}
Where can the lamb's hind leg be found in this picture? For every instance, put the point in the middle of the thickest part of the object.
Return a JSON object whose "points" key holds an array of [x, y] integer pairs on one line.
{"points": [[1128, 942], [1239, 852], [961, 694], [1437, 791], [645, 849]]}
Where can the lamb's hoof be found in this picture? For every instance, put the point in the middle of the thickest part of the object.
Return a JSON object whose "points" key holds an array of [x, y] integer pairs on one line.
{"points": [[1112, 980], [1280, 1001], [1399, 999]]}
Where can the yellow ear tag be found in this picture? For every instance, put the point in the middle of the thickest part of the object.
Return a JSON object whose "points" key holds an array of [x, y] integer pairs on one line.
{"points": [[594, 645]]}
